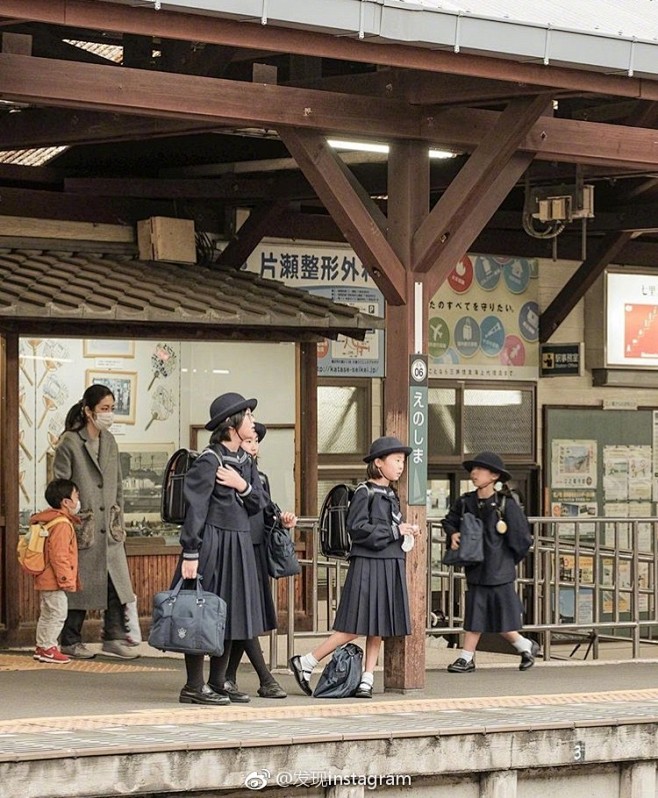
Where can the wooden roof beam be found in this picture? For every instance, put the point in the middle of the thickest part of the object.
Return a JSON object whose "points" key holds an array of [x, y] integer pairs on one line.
{"points": [[261, 219], [580, 282], [476, 192], [220, 102], [359, 218], [216, 30]]}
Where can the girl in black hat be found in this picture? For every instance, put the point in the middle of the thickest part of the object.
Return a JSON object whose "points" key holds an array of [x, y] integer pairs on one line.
{"points": [[374, 599], [216, 539], [492, 603], [269, 687]]}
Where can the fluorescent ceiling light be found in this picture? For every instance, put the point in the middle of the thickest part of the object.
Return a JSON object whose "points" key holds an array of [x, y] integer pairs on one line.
{"points": [[363, 146]]}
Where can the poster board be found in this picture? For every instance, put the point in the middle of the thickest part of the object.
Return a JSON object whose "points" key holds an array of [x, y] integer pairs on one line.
{"points": [[601, 463]]}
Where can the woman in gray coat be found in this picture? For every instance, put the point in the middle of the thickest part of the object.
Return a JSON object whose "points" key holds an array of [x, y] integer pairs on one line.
{"points": [[87, 453]]}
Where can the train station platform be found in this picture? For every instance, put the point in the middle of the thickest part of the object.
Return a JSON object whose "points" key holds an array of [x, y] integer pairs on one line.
{"points": [[107, 727]]}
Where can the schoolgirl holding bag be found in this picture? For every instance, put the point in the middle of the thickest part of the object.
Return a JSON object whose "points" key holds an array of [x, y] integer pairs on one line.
{"points": [[374, 600], [216, 539], [492, 603], [269, 687]]}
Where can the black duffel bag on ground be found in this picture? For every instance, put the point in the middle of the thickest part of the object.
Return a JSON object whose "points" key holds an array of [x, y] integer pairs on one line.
{"points": [[188, 621], [342, 674]]}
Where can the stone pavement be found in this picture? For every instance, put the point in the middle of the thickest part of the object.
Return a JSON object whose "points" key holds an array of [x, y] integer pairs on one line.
{"points": [[111, 709]]}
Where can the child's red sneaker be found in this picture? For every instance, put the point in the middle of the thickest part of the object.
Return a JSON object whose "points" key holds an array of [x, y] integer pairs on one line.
{"points": [[52, 654]]}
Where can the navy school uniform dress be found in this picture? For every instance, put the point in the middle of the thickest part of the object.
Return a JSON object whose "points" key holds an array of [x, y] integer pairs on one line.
{"points": [[217, 528], [492, 603], [258, 524], [374, 599]]}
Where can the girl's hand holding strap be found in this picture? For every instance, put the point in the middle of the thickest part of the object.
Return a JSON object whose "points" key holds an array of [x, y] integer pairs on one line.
{"points": [[189, 569]]}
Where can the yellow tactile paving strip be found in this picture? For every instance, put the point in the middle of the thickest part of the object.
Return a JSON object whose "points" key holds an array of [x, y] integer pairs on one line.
{"points": [[17, 662], [175, 716]]}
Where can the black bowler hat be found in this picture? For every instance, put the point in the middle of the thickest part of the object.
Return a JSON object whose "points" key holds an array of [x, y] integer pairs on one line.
{"points": [[261, 430], [386, 445], [488, 460], [228, 404]]}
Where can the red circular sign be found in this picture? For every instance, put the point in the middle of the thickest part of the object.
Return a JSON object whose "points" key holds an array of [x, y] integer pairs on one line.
{"points": [[461, 277]]}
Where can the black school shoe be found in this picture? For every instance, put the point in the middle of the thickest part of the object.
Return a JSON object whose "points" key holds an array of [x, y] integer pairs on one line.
{"points": [[363, 691], [272, 690], [461, 666], [230, 690], [202, 695], [528, 657], [295, 665]]}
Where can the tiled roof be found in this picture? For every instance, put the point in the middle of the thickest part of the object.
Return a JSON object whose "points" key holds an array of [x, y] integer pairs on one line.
{"points": [[67, 292]]}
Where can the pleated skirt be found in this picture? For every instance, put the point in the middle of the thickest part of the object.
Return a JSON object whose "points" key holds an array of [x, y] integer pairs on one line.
{"points": [[264, 587], [228, 566], [493, 608], [374, 600]]}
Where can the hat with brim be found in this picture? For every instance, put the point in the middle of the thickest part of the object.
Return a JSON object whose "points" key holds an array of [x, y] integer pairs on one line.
{"points": [[488, 460], [384, 446], [227, 405], [261, 430]]}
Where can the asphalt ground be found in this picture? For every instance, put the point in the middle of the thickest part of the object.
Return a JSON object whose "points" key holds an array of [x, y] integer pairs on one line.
{"points": [[109, 686]]}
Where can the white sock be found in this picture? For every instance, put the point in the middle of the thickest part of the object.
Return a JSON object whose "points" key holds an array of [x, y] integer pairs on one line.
{"points": [[308, 662], [467, 655], [522, 644], [367, 679]]}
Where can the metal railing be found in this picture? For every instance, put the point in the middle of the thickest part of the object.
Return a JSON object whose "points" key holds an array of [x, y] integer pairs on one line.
{"points": [[583, 581]]}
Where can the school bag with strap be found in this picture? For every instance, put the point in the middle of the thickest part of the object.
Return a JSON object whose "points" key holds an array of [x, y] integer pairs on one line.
{"points": [[173, 505], [334, 538], [31, 549]]}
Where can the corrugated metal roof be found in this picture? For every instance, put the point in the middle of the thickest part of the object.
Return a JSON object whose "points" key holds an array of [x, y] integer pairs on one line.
{"points": [[66, 291], [618, 36], [627, 18]]}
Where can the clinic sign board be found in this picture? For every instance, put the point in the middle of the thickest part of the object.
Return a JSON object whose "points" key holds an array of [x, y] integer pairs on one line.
{"points": [[333, 272]]}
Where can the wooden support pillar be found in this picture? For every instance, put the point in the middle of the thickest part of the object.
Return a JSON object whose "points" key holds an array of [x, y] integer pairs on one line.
{"points": [[306, 482], [9, 499], [408, 205]]}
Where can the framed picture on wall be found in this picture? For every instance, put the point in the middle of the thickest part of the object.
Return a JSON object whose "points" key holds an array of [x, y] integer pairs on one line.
{"points": [[123, 385], [142, 467], [100, 347]]}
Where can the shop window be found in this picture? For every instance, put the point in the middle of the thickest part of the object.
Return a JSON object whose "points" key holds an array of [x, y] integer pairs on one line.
{"points": [[343, 418], [464, 420], [344, 426]]}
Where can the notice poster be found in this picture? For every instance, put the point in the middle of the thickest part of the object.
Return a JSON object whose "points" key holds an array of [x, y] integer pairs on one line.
{"points": [[576, 505], [627, 473], [484, 320], [573, 463]]}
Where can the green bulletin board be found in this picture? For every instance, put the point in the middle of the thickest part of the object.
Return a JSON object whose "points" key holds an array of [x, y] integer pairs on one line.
{"points": [[570, 484], [599, 463]]}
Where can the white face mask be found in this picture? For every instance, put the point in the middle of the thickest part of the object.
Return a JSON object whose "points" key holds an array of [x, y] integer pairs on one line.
{"points": [[77, 508], [103, 420]]}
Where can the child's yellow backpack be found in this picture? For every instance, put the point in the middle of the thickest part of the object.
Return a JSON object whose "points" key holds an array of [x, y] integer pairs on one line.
{"points": [[31, 547]]}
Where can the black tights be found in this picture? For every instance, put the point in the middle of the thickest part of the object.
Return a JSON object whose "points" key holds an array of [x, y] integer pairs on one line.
{"points": [[217, 676], [255, 654]]}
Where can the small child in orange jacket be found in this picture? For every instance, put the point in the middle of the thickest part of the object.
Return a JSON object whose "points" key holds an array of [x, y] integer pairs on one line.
{"points": [[61, 573]]}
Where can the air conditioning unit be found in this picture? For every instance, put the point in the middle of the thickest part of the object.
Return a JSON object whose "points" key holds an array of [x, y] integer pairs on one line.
{"points": [[562, 203]]}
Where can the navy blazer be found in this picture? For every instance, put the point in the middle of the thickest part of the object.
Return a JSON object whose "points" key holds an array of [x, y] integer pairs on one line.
{"points": [[501, 551], [209, 503], [375, 530]]}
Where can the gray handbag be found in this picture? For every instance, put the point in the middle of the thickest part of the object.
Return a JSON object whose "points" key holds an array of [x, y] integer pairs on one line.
{"points": [[471, 543], [188, 621]]}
